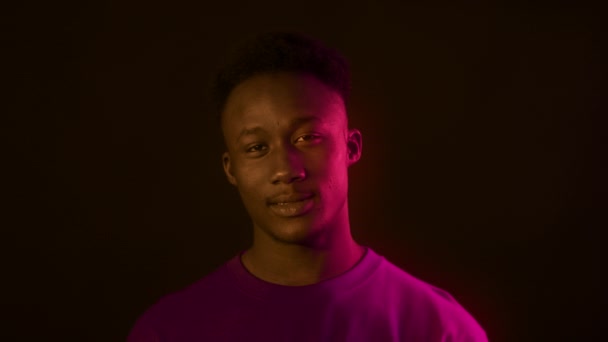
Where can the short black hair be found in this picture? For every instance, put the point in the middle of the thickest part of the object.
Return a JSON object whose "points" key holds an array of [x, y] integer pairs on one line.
{"points": [[281, 51]]}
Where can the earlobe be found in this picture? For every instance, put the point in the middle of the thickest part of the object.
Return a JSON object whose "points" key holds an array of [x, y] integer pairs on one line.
{"points": [[227, 169], [354, 146]]}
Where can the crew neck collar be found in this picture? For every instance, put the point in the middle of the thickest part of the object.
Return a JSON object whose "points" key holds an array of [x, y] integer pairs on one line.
{"points": [[262, 289]]}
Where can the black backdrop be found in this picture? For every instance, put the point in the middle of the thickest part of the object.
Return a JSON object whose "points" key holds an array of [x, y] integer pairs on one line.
{"points": [[480, 169]]}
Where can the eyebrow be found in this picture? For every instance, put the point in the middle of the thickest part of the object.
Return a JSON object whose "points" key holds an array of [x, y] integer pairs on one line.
{"points": [[304, 120], [294, 123], [249, 131]]}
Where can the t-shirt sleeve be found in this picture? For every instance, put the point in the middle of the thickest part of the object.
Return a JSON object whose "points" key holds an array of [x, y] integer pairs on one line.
{"points": [[459, 325], [472, 333], [144, 331]]}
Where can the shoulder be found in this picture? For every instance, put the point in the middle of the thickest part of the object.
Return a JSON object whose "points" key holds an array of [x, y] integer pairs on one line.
{"points": [[175, 309], [430, 309]]}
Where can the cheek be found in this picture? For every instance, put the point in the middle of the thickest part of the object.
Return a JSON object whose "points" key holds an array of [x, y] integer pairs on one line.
{"points": [[248, 181], [335, 172]]}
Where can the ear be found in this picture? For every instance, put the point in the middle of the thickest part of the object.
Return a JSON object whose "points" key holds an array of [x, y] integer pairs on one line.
{"points": [[354, 145], [227, 169]]}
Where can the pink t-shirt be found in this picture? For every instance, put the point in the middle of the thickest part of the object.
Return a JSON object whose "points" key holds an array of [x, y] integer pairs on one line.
{"points": [[373, 301]]}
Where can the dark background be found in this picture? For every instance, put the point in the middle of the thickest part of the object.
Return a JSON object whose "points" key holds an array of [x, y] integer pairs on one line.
{"points": [[480, 172]]}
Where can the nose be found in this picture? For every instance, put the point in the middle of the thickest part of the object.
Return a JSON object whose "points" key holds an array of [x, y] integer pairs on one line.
{"points": [[288, 166]]}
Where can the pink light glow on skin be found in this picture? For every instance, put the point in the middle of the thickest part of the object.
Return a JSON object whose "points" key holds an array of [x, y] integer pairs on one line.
{"points": [[304, 278], [288, 153]]}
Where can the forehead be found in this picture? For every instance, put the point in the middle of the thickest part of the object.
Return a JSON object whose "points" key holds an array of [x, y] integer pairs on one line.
{"points": [[277, 98]]}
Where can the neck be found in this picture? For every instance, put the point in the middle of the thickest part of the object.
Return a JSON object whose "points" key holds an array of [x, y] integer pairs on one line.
{"points": [[295, 264]]}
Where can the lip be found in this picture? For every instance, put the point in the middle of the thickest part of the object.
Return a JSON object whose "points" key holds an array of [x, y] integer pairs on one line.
{"points": [[291, 205]]}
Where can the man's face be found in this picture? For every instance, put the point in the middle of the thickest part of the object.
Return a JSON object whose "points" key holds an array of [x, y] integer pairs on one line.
{"points": [[289, 149]]}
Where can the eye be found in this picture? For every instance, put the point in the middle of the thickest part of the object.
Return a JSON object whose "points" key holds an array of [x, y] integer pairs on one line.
{"points": [[256, 148], [307, 138]]}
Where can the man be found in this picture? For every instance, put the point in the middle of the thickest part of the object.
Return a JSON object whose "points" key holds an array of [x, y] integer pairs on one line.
{"points": [[283, 115]]}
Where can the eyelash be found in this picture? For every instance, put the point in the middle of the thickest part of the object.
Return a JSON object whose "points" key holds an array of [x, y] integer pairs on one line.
{"points": [[261, 147], [311, 136], [253, 148]]}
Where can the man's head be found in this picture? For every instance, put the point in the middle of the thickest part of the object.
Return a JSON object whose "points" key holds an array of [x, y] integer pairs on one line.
{"points": [[287, 139], [282, 51]]}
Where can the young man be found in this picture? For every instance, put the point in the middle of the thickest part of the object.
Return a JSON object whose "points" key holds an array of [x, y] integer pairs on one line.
{"points": [[289, 147]]}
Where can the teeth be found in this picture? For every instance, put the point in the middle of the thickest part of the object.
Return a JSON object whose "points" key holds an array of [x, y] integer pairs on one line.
{"points": [[286, 203], [291, 202]]}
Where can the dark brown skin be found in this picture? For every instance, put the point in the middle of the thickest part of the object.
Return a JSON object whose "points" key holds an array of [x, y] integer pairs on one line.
{"points": [[288, 153]]}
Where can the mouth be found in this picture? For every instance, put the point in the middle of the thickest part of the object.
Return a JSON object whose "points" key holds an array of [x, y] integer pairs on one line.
{"points": [[291, 205]]}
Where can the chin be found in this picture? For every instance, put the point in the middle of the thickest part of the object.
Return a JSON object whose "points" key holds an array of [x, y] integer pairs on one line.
{"points": [[299, 233]]}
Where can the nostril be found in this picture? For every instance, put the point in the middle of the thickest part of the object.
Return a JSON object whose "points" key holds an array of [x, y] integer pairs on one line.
{"points": [[289, 167], [289, 177]]}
